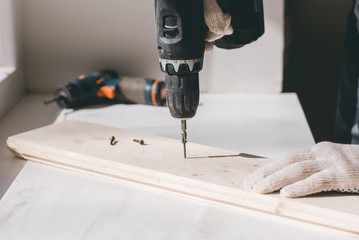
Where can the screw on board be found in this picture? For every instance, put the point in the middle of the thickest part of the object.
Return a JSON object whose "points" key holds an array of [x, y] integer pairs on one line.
{"points": [[113, 141], [139, 141]]}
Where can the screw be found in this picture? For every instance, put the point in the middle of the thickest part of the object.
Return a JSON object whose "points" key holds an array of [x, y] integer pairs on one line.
{"points": [[113, 142], [139, 141]]}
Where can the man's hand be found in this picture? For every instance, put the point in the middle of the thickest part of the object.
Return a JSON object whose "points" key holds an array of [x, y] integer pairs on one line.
{"points": [[324, 167], [219, 23]]}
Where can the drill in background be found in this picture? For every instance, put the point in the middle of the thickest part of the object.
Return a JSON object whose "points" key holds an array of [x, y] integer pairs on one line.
{"points": [[107, 87], [180, 43]]}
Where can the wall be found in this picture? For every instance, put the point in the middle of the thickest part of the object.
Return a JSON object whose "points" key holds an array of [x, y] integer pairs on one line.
{"points": [[11, 52], [314, 38], [65, 38], [7, 33]]}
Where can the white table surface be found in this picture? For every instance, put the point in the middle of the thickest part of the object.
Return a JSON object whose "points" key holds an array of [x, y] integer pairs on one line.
{"points": [[265, 125], [268, 125]]}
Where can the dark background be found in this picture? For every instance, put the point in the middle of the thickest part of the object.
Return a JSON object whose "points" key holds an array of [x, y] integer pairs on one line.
{"points": [[314, 36]]}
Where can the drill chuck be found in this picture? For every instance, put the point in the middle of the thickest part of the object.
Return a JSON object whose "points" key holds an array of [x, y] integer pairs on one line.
{"points": [[70, 95], [182, 94]]}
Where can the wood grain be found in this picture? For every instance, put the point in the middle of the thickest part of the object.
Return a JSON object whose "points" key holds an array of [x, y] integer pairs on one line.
{"points": [[209, 173]]}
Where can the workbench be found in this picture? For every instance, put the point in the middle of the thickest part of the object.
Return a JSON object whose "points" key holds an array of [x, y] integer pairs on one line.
{"points": [[79, 206]]}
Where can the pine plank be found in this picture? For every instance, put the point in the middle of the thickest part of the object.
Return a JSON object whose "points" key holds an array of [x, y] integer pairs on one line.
{"points": [[209, 173]]}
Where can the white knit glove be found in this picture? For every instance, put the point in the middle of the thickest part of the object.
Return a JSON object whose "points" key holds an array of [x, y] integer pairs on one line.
{"points": [[324, 167], [219, 23]]}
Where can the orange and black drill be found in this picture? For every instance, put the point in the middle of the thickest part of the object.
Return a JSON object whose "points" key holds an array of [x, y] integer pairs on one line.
{"points": [[107, 87]]}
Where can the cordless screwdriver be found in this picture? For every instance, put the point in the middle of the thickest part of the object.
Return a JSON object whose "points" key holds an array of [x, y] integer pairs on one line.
{"points": [[106, 86], [180, 43]]}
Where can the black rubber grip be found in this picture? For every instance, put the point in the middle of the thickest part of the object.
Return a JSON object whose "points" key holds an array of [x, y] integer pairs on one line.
{"points": [[182, 94]]}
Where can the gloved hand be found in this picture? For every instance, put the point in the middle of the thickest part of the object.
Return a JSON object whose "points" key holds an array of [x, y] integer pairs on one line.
{"points": [[219, 23], [324, 167]]}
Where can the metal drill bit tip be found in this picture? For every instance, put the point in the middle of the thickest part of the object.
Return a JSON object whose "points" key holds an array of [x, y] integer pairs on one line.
{"points": [[184, 137], [184, 151]]}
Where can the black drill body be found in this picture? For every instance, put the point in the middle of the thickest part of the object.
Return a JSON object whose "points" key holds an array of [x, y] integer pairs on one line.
{"points": [[180, 42]]}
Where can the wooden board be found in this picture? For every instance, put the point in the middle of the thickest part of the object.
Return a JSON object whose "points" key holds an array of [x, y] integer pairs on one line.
{"points": [[209, 173]]}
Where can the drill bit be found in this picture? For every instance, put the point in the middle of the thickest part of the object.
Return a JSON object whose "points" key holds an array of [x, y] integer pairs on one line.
{"points": [[184, 137]]}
